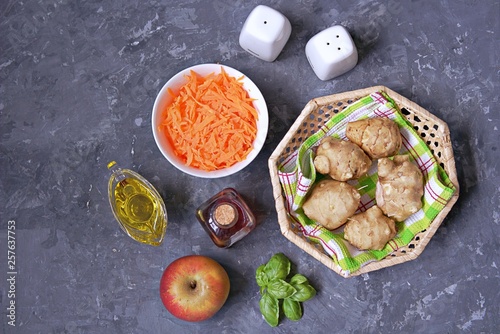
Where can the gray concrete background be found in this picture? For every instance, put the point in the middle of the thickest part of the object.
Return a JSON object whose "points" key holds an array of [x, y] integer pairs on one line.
{"points": [[77, 84]]}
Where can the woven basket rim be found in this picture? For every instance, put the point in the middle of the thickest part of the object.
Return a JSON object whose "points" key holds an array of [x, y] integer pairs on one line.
{"points": [[447, 159]]}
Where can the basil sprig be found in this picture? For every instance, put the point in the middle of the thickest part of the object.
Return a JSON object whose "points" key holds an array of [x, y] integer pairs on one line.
{"points": [[276, 290]]}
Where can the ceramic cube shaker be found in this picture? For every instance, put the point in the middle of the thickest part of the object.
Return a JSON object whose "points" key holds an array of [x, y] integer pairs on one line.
{"points": [[331, 52], [265, 33]]}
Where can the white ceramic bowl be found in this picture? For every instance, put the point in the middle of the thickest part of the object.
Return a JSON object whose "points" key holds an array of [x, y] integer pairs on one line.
{"points": [[164, 99]]}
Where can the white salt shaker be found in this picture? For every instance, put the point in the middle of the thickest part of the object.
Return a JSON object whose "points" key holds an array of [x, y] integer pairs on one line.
{"points": [[265, 33], [331, 52]]}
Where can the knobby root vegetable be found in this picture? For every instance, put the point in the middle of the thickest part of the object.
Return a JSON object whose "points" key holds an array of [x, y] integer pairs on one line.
{"points": [[370, 229], [378, 137], [400, 187], [341, 159], [331, 202]]}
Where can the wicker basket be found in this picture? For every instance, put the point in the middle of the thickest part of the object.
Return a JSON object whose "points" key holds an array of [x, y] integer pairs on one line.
{"points": [[316, 113]]}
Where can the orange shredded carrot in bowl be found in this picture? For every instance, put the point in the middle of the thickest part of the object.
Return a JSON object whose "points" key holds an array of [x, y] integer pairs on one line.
{"points": [[211, 123]]}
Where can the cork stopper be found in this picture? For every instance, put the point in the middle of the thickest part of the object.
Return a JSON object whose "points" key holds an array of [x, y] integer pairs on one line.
{"points": [[225, 215]]}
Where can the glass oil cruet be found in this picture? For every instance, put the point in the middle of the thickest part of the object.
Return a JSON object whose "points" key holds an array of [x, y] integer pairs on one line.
{"points": [[137, 206]]}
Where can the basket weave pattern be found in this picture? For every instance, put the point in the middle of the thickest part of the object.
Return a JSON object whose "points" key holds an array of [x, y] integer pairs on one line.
{"points": [[315, 114]]}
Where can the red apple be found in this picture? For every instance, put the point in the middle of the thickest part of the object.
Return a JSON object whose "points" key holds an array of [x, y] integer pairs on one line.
{"points": [[194, 287]]}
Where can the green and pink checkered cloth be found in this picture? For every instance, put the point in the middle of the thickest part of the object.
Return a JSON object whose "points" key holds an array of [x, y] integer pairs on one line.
{"points": [[297, 175]]}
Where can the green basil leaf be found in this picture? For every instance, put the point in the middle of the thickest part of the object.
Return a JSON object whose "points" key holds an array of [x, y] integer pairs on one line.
{"points": [[269, 307], [261, 277], [292, 309], [280, 289], [277, 267], [298, 279], [304, 292]]}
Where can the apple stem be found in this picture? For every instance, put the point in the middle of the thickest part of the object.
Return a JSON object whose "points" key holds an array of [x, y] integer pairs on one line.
{"points": [[193, 284]]}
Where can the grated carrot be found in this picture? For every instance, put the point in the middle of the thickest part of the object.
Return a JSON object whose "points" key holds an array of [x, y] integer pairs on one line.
{"points": [[211, 123]]}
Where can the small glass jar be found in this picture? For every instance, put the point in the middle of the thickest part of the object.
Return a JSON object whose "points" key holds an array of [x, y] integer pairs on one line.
{"points": [[226, 217]]}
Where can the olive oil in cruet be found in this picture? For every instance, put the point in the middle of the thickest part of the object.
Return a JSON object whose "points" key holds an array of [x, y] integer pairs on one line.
{"points": [[137, 206]]}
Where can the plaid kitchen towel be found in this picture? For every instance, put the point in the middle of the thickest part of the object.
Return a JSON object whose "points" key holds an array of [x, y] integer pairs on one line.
{"points": [[297, 175]]}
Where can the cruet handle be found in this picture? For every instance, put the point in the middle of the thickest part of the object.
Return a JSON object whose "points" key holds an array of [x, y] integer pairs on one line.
{"points": [[116, 171]]}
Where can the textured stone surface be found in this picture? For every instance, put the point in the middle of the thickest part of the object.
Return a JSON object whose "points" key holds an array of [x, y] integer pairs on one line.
{"points": [[77, 84]]}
